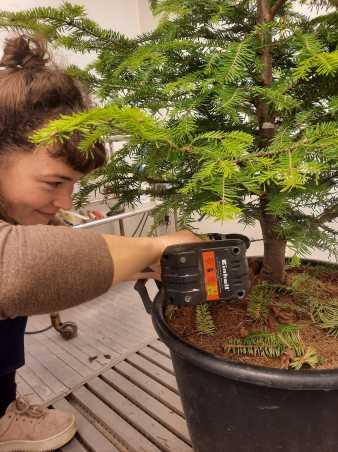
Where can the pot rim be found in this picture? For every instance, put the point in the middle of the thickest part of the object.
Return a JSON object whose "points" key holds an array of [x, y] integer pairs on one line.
{"points": [[310, 380]]}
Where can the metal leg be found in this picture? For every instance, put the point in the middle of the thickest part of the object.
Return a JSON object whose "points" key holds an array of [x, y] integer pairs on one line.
{"points": [[68, 330], [121, 226]]}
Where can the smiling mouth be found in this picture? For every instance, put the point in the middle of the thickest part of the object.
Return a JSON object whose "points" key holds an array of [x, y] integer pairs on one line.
{"points": [[46, 214]]}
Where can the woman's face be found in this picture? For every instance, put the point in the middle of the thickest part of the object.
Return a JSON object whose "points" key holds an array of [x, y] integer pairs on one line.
{"points": [[35, 185]]}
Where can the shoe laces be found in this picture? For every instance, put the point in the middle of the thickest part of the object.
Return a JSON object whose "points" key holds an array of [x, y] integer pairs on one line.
{"points": [[23, 407]]}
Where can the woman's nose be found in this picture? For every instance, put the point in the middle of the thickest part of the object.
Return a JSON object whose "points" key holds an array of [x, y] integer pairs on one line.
{"points": [[63, 201]]}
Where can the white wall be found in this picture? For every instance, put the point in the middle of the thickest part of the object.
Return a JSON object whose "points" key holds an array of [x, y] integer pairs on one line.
{"points": [[147, 21], [120, 15], [130, 17]]}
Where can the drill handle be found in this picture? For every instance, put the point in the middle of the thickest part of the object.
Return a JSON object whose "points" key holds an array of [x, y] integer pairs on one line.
{"points": [[140, 287]]}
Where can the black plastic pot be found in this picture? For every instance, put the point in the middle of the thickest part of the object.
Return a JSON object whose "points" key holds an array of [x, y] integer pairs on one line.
{"points": [[231, 407]]}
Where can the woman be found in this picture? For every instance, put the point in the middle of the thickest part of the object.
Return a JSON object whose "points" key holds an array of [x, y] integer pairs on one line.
{"points": [[45, 268]]}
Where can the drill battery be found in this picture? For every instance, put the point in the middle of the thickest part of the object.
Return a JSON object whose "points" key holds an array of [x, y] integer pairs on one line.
{"points": [[209, 271]]}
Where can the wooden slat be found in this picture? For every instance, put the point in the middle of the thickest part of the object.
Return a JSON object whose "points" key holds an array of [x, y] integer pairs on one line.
{"points": [[64, 354], [84, 343], [157, 373], [126, 434], [123, 301], [73, 446], [127, 320], [94, 327], [157, 358], [110, 327], [38, 322], [162, 393], [111, 334], [160, 347], [57, 366], [91, 339], [83, 347], [49, 378], [36, 383], [129, 311], [24, 389], [162, 437], [134, 328], [147, 403], [90, 436]]}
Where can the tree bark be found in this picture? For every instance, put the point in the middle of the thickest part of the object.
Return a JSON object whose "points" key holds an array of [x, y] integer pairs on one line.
{"points": [[273, 269], [265, 116]]}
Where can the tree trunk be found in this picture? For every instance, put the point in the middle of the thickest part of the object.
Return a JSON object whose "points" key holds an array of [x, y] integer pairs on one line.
{"points": [[265, 115], [273, 269]]}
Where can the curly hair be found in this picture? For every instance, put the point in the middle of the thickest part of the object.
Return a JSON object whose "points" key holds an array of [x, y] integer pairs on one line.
{"points": [[33, 91]]}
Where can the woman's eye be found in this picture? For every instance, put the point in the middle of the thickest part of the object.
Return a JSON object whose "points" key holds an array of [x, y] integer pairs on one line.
{"points": [[53, 184]]}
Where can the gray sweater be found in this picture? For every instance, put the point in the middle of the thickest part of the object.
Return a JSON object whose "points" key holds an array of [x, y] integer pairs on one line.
{"points": [[46, 268]]}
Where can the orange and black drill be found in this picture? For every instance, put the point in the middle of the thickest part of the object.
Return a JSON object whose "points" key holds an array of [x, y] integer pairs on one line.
{"points": [[208, 271]]}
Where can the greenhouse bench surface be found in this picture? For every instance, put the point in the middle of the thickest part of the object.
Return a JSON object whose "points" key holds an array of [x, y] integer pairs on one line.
{"points": [[116, 376], [133, 406]]}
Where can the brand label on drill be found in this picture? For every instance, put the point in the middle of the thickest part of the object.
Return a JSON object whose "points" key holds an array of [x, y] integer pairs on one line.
{"points": [[210, 275], [225, 274]]}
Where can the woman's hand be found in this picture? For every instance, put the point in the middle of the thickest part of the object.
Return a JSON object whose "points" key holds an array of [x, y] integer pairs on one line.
{"points": [[130, 254], [180, 237], [177, 238]]}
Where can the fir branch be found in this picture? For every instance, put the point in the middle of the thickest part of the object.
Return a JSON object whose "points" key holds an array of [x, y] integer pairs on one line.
{"points": [[326, 315], [55, 22], [266, 344], [275, 9], [309, 358], [170, 312], [112, 119], [259, 301], [328, 214], [204, 321], [193, 97]]}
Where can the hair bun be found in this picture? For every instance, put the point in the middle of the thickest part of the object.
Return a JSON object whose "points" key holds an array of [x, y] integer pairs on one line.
{"points": [[25, 52]]}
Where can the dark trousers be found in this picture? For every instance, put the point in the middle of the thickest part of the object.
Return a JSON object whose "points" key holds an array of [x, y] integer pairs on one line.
{"points": [[12, 356], [7, 391]]}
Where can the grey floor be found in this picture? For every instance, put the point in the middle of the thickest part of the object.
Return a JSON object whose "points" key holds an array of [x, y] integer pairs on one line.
{"points": [[109, 328], [116, 377], [132, 406]]}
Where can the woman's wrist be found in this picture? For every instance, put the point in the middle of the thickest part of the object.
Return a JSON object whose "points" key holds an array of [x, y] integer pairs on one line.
{"points": [[132, 255], [180, 237]]}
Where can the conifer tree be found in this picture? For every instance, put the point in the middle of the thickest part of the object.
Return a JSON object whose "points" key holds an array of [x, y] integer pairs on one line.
{"points": [[231, 108]]}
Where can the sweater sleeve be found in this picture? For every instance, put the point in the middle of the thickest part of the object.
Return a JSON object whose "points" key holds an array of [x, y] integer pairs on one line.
{"points": [[46, 268]]}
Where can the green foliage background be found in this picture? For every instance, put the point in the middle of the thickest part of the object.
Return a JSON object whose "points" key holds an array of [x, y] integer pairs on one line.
{"points": [[190, 95]]}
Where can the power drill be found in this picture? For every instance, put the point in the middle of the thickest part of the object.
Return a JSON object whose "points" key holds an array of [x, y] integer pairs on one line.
{"points": [[207, 271]]}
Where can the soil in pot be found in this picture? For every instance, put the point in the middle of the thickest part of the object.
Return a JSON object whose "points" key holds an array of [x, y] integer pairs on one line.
{"points": [[308, 304]]}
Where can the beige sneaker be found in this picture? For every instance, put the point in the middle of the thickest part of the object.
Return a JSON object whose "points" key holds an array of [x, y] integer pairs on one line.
{"points": [[26, 427]]}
